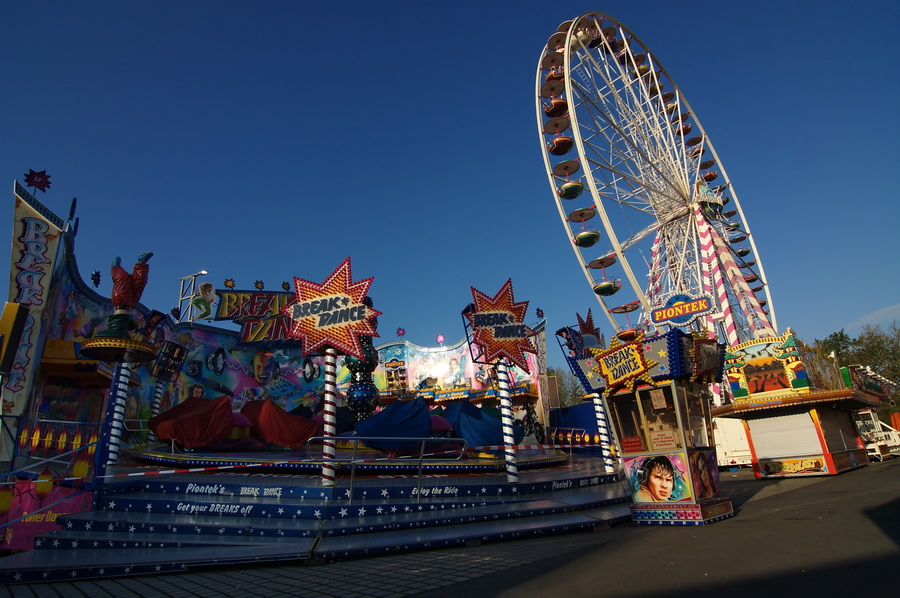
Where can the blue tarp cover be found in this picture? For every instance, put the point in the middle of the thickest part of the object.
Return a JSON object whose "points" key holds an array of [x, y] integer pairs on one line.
{"points": [[400, 419], [476, 426]]}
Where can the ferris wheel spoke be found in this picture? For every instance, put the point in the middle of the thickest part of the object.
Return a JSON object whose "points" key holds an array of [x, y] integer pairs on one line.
{"points": [[656, 185]]}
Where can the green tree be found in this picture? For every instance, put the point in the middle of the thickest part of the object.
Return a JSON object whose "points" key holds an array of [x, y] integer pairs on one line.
{"points": [[569, 388], [877, 348], [838, 343]]}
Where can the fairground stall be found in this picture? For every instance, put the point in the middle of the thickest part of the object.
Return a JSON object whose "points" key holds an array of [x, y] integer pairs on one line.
{"points": [[656, 394], [798, 407]]}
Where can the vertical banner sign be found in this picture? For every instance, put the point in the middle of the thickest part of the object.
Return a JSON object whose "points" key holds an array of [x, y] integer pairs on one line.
{"points": [[331, 316], [540, 342], [35, 243], [499, 328]]}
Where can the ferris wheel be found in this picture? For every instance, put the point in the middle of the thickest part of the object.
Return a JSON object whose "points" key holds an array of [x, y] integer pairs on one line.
{"points": [[623, 147]]}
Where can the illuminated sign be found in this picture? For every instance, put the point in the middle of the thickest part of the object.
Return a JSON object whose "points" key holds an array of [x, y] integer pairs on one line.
{"points": [[332, 314], [258, 313], [623, 364], [681, 310], [499, 326]]}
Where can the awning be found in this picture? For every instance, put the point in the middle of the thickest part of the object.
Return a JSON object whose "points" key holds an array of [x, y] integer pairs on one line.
{"points": [[845, 398]]}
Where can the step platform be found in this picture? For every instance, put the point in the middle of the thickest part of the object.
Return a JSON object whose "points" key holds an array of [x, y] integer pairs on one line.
{"points": [[169, 521]]}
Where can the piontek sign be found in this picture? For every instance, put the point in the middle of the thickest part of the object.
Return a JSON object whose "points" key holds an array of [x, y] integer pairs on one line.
{"points": [[681, 310]]}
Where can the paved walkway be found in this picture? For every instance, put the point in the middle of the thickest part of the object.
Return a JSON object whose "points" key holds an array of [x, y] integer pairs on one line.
{"points": [[822, 535]]}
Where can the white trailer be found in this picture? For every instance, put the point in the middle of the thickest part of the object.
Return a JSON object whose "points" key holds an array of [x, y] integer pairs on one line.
{"points": [[880, 439], [732, 446]]}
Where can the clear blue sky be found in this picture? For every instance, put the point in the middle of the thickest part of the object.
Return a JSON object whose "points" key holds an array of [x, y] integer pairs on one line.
{"points": [[266, 140]]}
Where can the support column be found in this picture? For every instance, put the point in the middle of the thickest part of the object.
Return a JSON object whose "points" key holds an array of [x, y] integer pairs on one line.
{"points": [[509, 442]]}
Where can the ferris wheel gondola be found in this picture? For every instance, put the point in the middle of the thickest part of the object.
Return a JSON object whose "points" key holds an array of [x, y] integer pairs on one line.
{"points": [[635, 145]]}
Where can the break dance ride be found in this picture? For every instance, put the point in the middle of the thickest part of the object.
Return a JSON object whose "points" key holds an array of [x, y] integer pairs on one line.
{"points": [[191, 444]]}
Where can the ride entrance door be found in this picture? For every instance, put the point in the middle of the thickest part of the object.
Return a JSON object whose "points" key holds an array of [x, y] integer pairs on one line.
{"points": [[665, 432]]}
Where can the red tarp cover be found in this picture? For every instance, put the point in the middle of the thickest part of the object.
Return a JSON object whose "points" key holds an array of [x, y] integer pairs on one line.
{"points": [[276, 426], [196, 422], [251, 411]]}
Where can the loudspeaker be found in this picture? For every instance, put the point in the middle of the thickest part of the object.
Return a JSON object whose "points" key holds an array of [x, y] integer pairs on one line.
{"points": [[194, 368]]}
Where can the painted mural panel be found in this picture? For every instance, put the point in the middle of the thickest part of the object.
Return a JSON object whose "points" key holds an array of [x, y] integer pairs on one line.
{"points": [[35, 248], [216, 365], [659, 478]]}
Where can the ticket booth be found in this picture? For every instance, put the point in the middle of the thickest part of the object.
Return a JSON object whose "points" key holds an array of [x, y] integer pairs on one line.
{"points": [[665, 432], [657, 397]]}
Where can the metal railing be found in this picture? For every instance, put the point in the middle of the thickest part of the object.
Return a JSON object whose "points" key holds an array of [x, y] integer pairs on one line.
{"points": [[555, 434]]}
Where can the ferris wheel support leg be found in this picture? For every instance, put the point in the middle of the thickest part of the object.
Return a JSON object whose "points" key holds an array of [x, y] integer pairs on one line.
{"points": [[707, 250], [759, 324]]}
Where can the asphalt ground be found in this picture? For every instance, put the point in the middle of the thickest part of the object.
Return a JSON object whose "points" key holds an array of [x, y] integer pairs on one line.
{"points": [[815, 536]]}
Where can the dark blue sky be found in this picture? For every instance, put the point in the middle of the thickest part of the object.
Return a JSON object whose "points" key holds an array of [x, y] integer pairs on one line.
{"points": [[267, 140]]}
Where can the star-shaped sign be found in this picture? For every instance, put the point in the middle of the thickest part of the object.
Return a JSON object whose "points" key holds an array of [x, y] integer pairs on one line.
{"points": [[38, 179], [499, 326], [332, 314], [623, 364], [586, 325]]}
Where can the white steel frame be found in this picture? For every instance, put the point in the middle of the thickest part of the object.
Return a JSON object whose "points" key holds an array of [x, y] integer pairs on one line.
{"points": [[642, 176]]}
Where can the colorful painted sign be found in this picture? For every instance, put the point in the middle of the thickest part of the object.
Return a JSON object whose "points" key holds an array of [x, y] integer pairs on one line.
{"points": [[332, 314], [623, 364], [704, 473], [38, 505], [814, 465], [499, 325], [659, 478], [767, 366], [35, 244], [707, 359], [681, 310], [259, 313]]}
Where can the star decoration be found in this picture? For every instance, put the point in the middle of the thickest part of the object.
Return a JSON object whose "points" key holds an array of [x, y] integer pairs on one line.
{"points": [[623, 364], [95, 278], [38, 180], [332, 314], [401, 332], [587, 327], [440, 339], [229, 283], [540, 313], [259, 285], [499, 326], [286, 285]]}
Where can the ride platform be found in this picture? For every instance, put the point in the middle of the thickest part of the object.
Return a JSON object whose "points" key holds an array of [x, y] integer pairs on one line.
{"points": [[478, 459], [172, 520]]}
